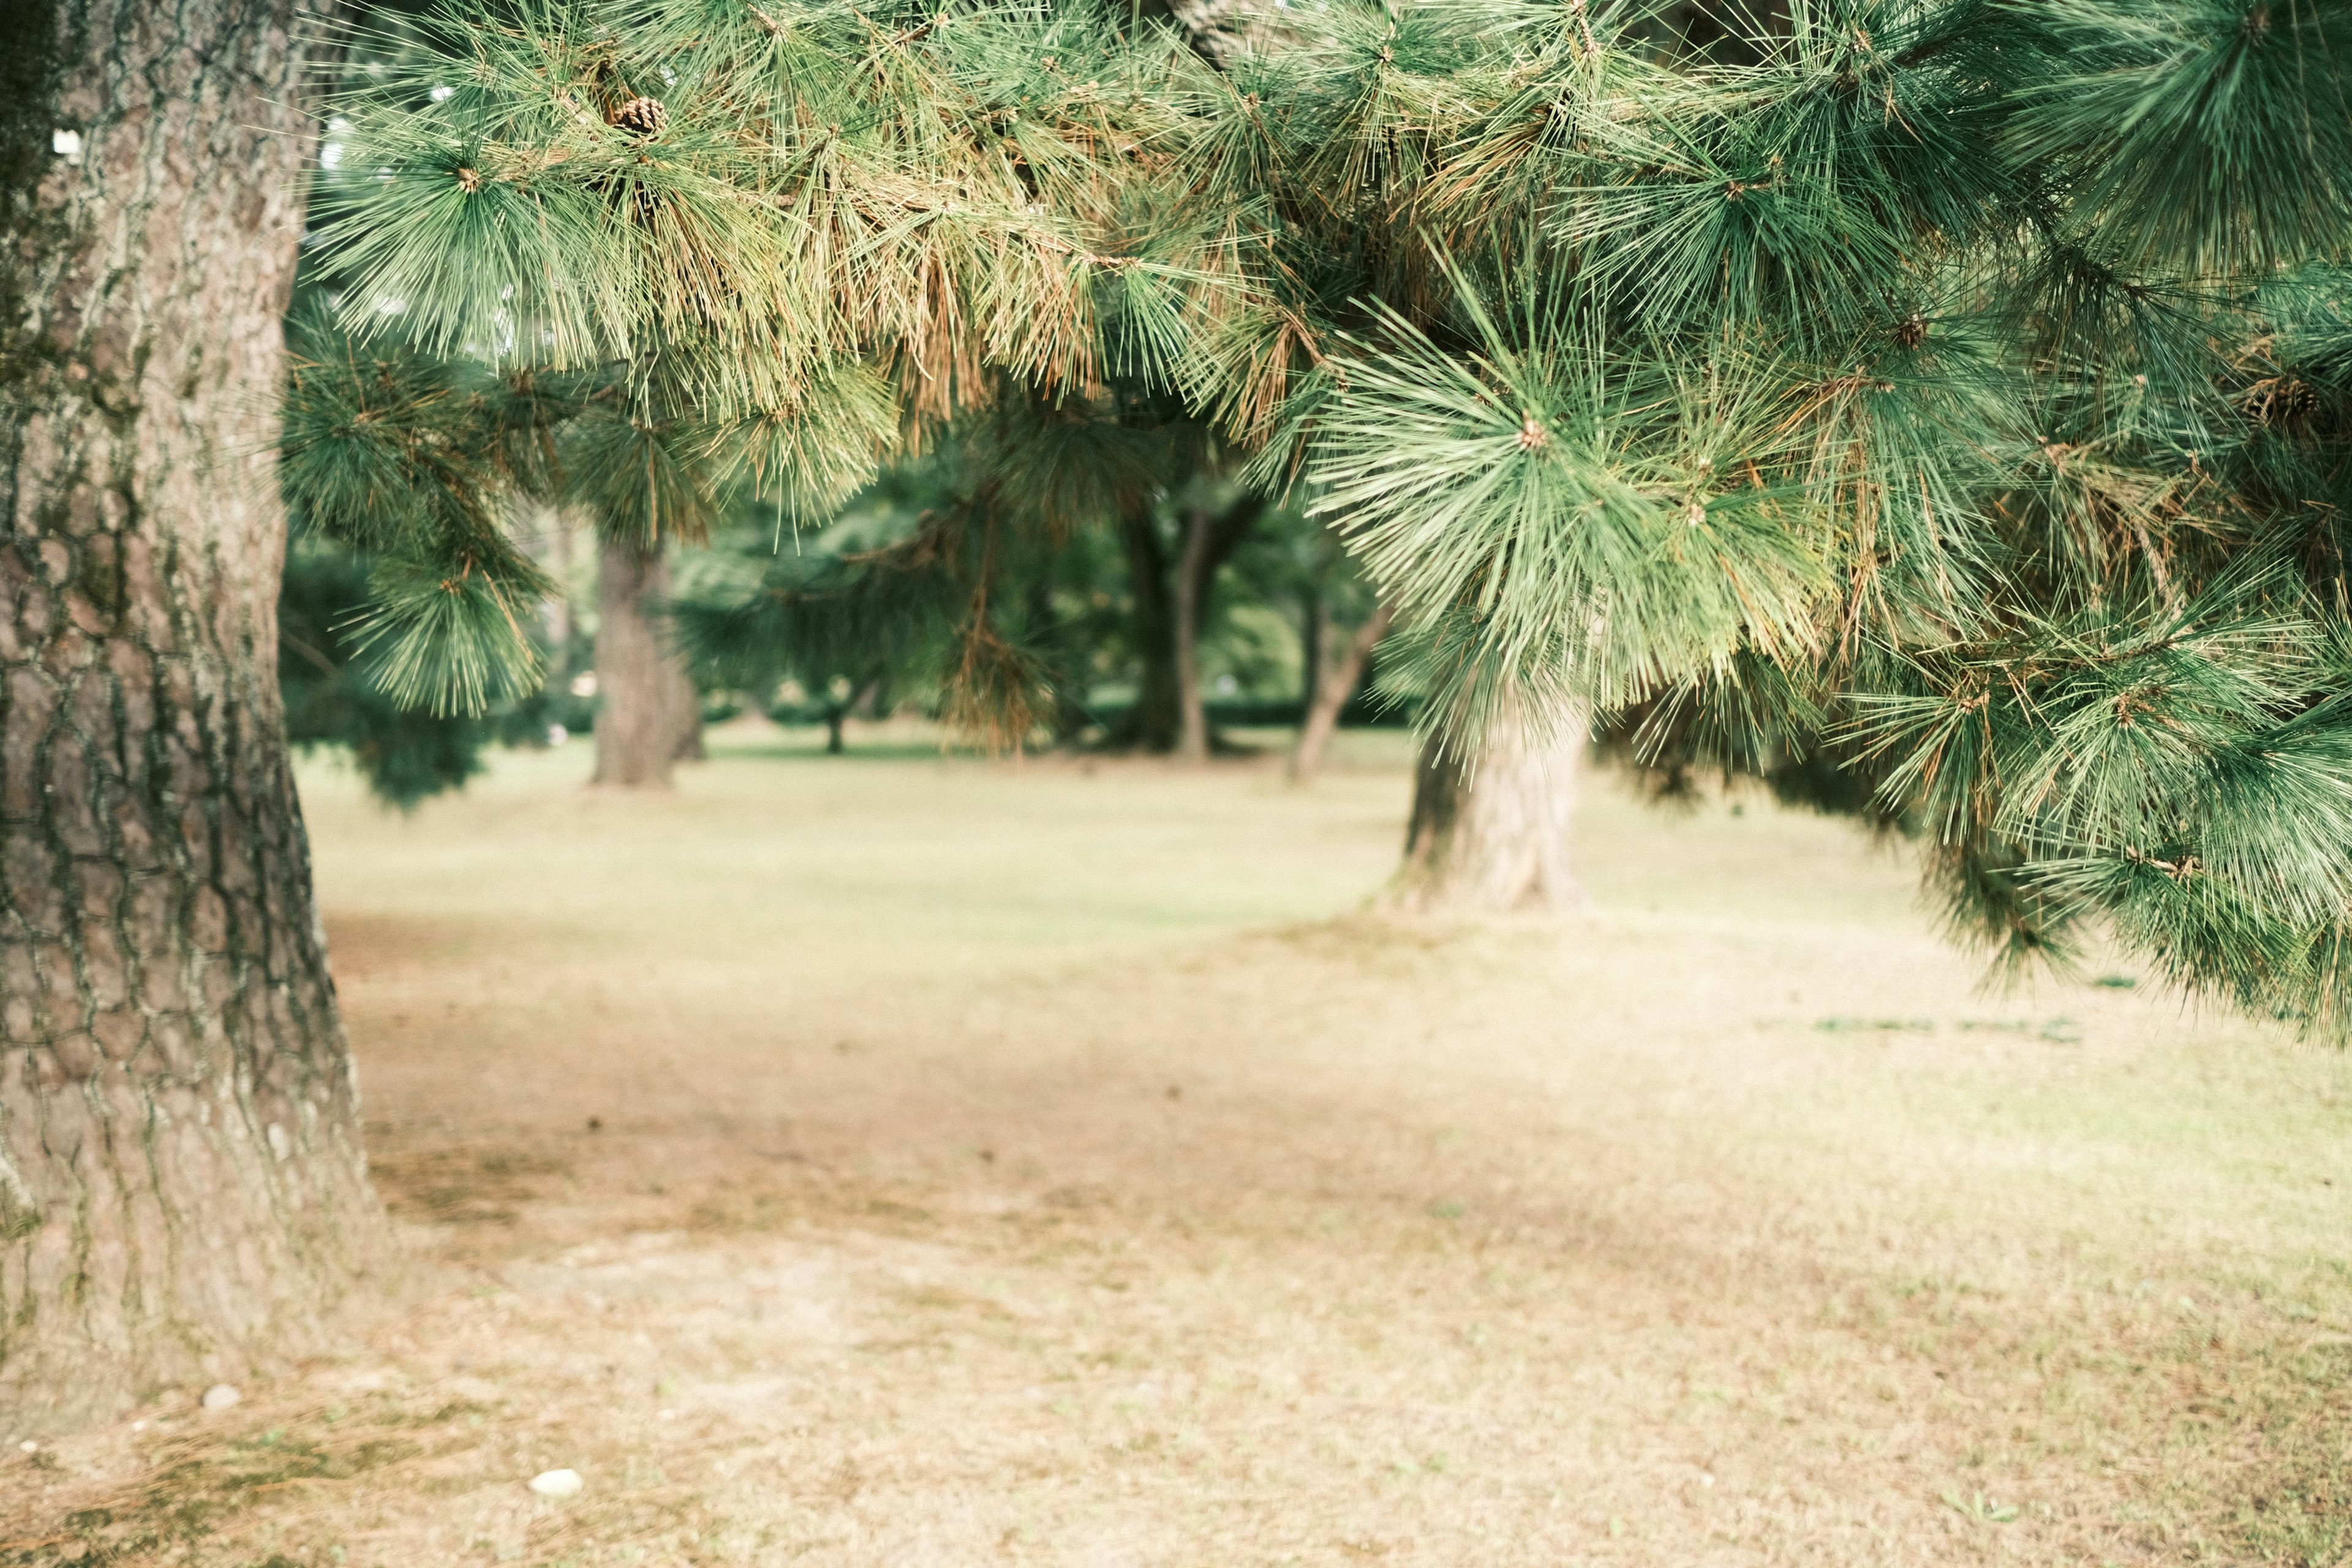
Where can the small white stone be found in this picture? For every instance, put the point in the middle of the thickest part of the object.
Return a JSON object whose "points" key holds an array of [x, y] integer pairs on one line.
{"points": [[557, 1483], [28, 1447], [139, 1426], [66, 144], [221, 1396]]}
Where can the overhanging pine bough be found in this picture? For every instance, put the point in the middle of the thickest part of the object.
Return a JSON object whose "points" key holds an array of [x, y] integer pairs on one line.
{"points": [[1954, 392], [770, 242], [1959, 393]]}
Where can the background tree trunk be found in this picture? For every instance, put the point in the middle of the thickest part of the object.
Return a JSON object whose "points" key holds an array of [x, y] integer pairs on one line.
{"points": [[1493, 840], [1172, 607], [649, 717], [1315, 626], [183, 1193], [1192, 609], [1158, 717], [688, 702], [1339, 671]]}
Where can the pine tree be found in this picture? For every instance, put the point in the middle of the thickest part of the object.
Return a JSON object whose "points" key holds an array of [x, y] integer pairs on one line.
{"points": [[1951, 394], [1942, 399], [182, 1187], [781, 242], [1941, 406]]}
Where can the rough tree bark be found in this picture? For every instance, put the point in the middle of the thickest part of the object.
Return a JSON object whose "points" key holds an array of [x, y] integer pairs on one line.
{"points": [[650, 718], [183, 1193], [1493, 838], [1337, 670]]}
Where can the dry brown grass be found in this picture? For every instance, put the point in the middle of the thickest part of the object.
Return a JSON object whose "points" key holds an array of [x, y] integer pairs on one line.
{"points": [[1025, 1165]]}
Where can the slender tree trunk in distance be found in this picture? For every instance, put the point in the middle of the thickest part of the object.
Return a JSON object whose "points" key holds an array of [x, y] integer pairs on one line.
{"points": [[1314, 630], [1169, 618], [1191, 596], [649, 718], [1342, 670], [1494, 839], [1066, 668], [182, 1193], [1155, 724]]}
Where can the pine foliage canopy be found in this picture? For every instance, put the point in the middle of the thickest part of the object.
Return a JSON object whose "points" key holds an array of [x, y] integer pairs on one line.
{"points": [[1947, 397]]}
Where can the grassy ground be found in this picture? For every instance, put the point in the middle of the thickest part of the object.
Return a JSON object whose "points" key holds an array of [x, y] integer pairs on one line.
{"points": [[893, 1160]]}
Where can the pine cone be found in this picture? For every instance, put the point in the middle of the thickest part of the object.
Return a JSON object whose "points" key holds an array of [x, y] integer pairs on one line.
{"points": [[642, 117]]}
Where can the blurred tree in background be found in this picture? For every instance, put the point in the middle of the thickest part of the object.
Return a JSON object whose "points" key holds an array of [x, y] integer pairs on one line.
{"points": [[1146, 593]]}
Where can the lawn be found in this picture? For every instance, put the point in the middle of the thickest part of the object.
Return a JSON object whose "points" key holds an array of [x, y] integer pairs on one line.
{"points": [[906, 1160]]}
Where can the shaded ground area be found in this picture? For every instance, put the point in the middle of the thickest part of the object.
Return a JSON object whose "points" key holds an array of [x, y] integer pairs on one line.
{"points": [[891, 1160]]}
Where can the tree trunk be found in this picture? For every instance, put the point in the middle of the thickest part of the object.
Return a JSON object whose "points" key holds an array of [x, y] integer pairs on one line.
{"points": [[649, 717], [1192, 609], [1493, 838], [690, 748], [182, 1193], [1341, 671], [1169, 713], [1157, 719], [1315, 626]]}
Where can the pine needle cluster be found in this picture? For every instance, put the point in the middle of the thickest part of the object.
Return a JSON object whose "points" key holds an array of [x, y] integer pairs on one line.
{"points": [[1945, 392]]}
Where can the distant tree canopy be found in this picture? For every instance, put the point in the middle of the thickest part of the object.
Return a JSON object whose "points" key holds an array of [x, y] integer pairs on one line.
{"points": [[890, 596], [1939, 404]]}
